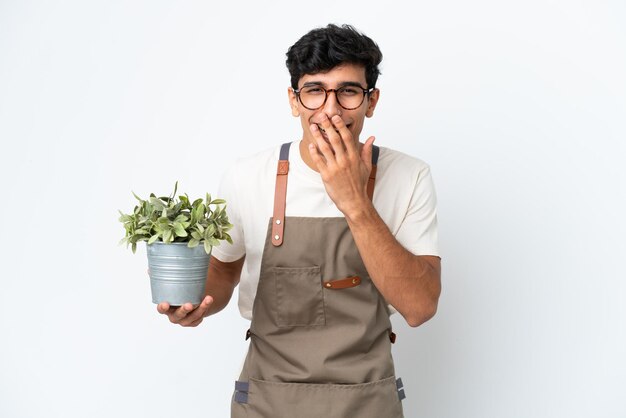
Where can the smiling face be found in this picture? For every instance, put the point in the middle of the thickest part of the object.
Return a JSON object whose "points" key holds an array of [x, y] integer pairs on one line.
{"points": [[345, 74]]}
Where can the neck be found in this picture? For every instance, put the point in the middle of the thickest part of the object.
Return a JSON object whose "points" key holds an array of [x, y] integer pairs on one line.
{"points": [[306, 156]]}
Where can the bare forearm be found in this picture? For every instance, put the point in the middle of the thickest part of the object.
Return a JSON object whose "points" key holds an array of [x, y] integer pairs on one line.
{"points": [[222, 279], [221, 295], [408, 282]]}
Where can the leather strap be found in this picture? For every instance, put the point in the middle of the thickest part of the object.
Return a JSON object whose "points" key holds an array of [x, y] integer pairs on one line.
{"points": [[280, 196], [280, 193], [372, 179], [343, 283]]}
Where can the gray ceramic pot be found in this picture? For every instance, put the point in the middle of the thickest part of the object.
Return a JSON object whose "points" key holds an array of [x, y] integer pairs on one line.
{"points": [[177, 273]]}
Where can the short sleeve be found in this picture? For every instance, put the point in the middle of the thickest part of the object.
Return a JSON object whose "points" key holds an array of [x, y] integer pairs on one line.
{"points": [[418, 230], [228, 191]]}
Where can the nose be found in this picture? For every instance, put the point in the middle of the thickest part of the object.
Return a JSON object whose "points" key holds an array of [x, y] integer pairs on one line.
{"points": [[332, 107]]}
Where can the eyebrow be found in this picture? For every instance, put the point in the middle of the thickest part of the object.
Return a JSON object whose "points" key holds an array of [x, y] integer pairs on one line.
{"points": [[342, 84]]}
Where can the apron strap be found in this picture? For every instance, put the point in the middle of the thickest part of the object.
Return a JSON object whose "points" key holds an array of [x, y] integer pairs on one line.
{"points": [[280, 196], [280, 192], [372, 179]]}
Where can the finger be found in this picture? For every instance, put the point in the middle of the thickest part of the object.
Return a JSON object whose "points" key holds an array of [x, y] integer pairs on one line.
{"points": [[334, 137], [163, 307], [323, 147], [317, 158], [182, 311], [366, 152], [345, 134], [199, 312]]}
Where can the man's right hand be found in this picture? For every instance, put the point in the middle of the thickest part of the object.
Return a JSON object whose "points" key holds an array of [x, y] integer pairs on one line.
{"points": [[186, 315]]}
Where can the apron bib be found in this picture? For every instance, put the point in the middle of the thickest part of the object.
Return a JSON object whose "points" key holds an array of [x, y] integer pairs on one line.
{"points": [[320, 337]]}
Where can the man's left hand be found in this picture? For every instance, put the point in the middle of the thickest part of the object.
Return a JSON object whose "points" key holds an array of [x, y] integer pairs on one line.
{"points": [[344, 169]]}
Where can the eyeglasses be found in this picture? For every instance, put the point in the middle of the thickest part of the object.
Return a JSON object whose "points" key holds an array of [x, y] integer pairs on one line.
{"points": [[349, 97]]}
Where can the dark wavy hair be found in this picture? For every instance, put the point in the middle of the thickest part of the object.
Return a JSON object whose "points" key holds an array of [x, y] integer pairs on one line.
{"points": [[323, 49]]}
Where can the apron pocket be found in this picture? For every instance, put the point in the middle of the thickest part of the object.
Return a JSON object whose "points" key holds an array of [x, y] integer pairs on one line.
{"points": [[378, 399], [299, 296]]}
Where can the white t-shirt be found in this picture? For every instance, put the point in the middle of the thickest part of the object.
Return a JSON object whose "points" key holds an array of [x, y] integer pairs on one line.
{"points": [[404, 197]]}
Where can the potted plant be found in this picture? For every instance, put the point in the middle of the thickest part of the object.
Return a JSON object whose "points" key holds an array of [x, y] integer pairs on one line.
{"points": [[179, 236]]}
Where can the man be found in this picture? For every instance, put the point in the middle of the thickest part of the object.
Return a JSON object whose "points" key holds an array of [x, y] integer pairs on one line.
{"points": [[331, 235]]}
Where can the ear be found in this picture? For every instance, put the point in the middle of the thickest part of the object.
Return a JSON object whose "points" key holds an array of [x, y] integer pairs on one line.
{"points": [[293, 102], [371, 103]]}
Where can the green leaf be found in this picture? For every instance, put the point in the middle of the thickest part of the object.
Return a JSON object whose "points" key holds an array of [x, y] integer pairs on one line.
{"points": [[218, 202], [181, 218], [197, 213], [125, 218], [175, 188], [134, 247], [207, 247], [167, 236], [179, 230], [193, 243], [157, 203], [196, 235], [153, 239], [137, 197]]}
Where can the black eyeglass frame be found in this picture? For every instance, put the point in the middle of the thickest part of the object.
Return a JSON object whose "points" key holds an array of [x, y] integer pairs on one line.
{"points": [[326, 91]]}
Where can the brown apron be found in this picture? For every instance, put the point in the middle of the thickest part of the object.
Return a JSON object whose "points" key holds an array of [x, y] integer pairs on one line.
{"points": [[320, 337]]}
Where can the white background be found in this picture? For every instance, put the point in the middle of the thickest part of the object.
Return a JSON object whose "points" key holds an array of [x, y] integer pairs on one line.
{"points": [[519, 107]]}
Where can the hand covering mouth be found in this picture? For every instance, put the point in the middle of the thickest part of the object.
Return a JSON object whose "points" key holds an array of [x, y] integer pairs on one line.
{"points": [[324, 130]]}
